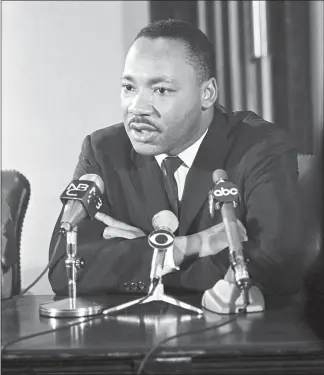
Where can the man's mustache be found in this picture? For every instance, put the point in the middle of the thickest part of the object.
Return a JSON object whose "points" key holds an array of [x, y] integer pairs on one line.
{"points": [[141, 120]]}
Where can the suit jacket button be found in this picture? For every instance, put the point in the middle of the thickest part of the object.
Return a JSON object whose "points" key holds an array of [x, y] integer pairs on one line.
{"points": [[141, 285], [134, 286], [127, 286]]}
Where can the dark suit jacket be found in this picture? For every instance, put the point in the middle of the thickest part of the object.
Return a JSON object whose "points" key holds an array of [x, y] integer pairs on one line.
{"points": [[258, 157]]}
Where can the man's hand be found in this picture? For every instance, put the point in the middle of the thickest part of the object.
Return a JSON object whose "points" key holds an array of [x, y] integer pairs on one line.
{"points": [[210, 241], [214, 239], [116, 228]]}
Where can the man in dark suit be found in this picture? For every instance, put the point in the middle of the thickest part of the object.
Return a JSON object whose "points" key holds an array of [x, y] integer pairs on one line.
{"points": [[170, 116]]}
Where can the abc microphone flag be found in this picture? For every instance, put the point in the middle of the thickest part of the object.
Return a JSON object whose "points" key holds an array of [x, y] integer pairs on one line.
{"points": [[224, 191]]}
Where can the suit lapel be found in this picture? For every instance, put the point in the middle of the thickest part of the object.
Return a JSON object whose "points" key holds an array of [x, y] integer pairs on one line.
{"points": [[210, 156], [147, 178]]}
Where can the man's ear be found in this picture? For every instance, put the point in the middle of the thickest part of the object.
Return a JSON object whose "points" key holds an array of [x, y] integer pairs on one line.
{"points": [[209, 93]]}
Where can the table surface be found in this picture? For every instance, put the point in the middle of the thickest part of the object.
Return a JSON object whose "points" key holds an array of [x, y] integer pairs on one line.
{"points": [[282, 338]]}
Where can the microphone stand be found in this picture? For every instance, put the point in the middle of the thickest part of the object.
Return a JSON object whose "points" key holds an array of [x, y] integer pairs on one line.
{"points": [[156, 289], [72, 306]]}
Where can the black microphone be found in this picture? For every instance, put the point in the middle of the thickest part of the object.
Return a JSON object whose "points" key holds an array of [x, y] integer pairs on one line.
{"points": [[165, 223], [82, 198], [226, 195]]}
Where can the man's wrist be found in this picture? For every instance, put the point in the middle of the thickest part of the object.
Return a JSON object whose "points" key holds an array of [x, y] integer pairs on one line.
{"points": [[184, 247], [169, 263]]}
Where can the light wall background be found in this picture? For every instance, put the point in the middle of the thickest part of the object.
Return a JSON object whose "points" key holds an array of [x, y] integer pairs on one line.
{"points": [[61, 68]]}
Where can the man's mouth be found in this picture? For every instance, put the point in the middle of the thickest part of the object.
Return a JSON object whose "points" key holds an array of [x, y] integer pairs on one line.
{"points": [[141, 126], [142, 132]]}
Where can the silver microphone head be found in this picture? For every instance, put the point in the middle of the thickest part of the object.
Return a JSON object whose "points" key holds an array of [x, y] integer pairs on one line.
{"points": [[96, 179], [219, 174], [165, 219]]}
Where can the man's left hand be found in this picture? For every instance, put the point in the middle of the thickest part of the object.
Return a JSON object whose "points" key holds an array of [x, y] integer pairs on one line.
{"points": [[116, 228]]}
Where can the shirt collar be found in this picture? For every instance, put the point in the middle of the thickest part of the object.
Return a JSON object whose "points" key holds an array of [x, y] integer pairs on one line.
{"points": [[187, 156]]}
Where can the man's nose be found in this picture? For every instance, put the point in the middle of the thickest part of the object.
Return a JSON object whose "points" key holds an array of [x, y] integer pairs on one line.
{"points": [[141, 105]]}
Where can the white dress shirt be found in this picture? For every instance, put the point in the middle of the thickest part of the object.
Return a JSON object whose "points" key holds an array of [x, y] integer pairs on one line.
{"points": [[187, 156]]}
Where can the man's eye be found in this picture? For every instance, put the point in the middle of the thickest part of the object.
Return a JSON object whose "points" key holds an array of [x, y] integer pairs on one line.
{"points": [[127, 87], [162, 90]]}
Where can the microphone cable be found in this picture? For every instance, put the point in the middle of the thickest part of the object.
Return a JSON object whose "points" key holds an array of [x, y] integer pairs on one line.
{"points": [[33, 335], [24, 291], [192, 332]]}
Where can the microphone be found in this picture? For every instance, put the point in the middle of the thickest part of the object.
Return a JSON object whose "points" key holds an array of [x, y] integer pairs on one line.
{"points": [[227, 297], [165, 223], [226, 195], [82, 198]]}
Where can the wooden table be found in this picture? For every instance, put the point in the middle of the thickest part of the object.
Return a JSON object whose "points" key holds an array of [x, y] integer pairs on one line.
{"points": [[283, 339]]}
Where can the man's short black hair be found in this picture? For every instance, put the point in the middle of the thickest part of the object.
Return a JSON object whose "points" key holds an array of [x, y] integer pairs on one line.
{"points": [[201, 52]]}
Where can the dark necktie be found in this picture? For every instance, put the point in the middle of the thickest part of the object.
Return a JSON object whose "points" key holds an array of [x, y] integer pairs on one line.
{"points": [[169, 165]]}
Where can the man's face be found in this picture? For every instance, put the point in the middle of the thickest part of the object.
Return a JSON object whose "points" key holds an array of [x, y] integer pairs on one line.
{"points": [[160, 97]]}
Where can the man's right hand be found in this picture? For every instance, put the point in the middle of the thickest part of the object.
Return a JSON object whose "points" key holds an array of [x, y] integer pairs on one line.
{"points": [[210, 241], [116, 228]]}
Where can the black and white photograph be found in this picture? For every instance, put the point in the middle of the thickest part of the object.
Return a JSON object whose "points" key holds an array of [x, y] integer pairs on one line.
{"points": [[162, 187]]}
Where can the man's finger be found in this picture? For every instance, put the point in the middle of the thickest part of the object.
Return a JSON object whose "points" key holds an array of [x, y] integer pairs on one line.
{"points": [[111, 232], [242, 230], [111, 222], [241, 226]]}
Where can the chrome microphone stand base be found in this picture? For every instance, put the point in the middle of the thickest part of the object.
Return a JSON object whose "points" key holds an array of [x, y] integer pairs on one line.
{"points": [[226, 298], [156, 295], [70, 308]]}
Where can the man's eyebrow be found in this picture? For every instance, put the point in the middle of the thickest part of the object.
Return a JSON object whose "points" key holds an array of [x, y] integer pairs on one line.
{"points": [[160, 79], [151, 81], [127, 77]]}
